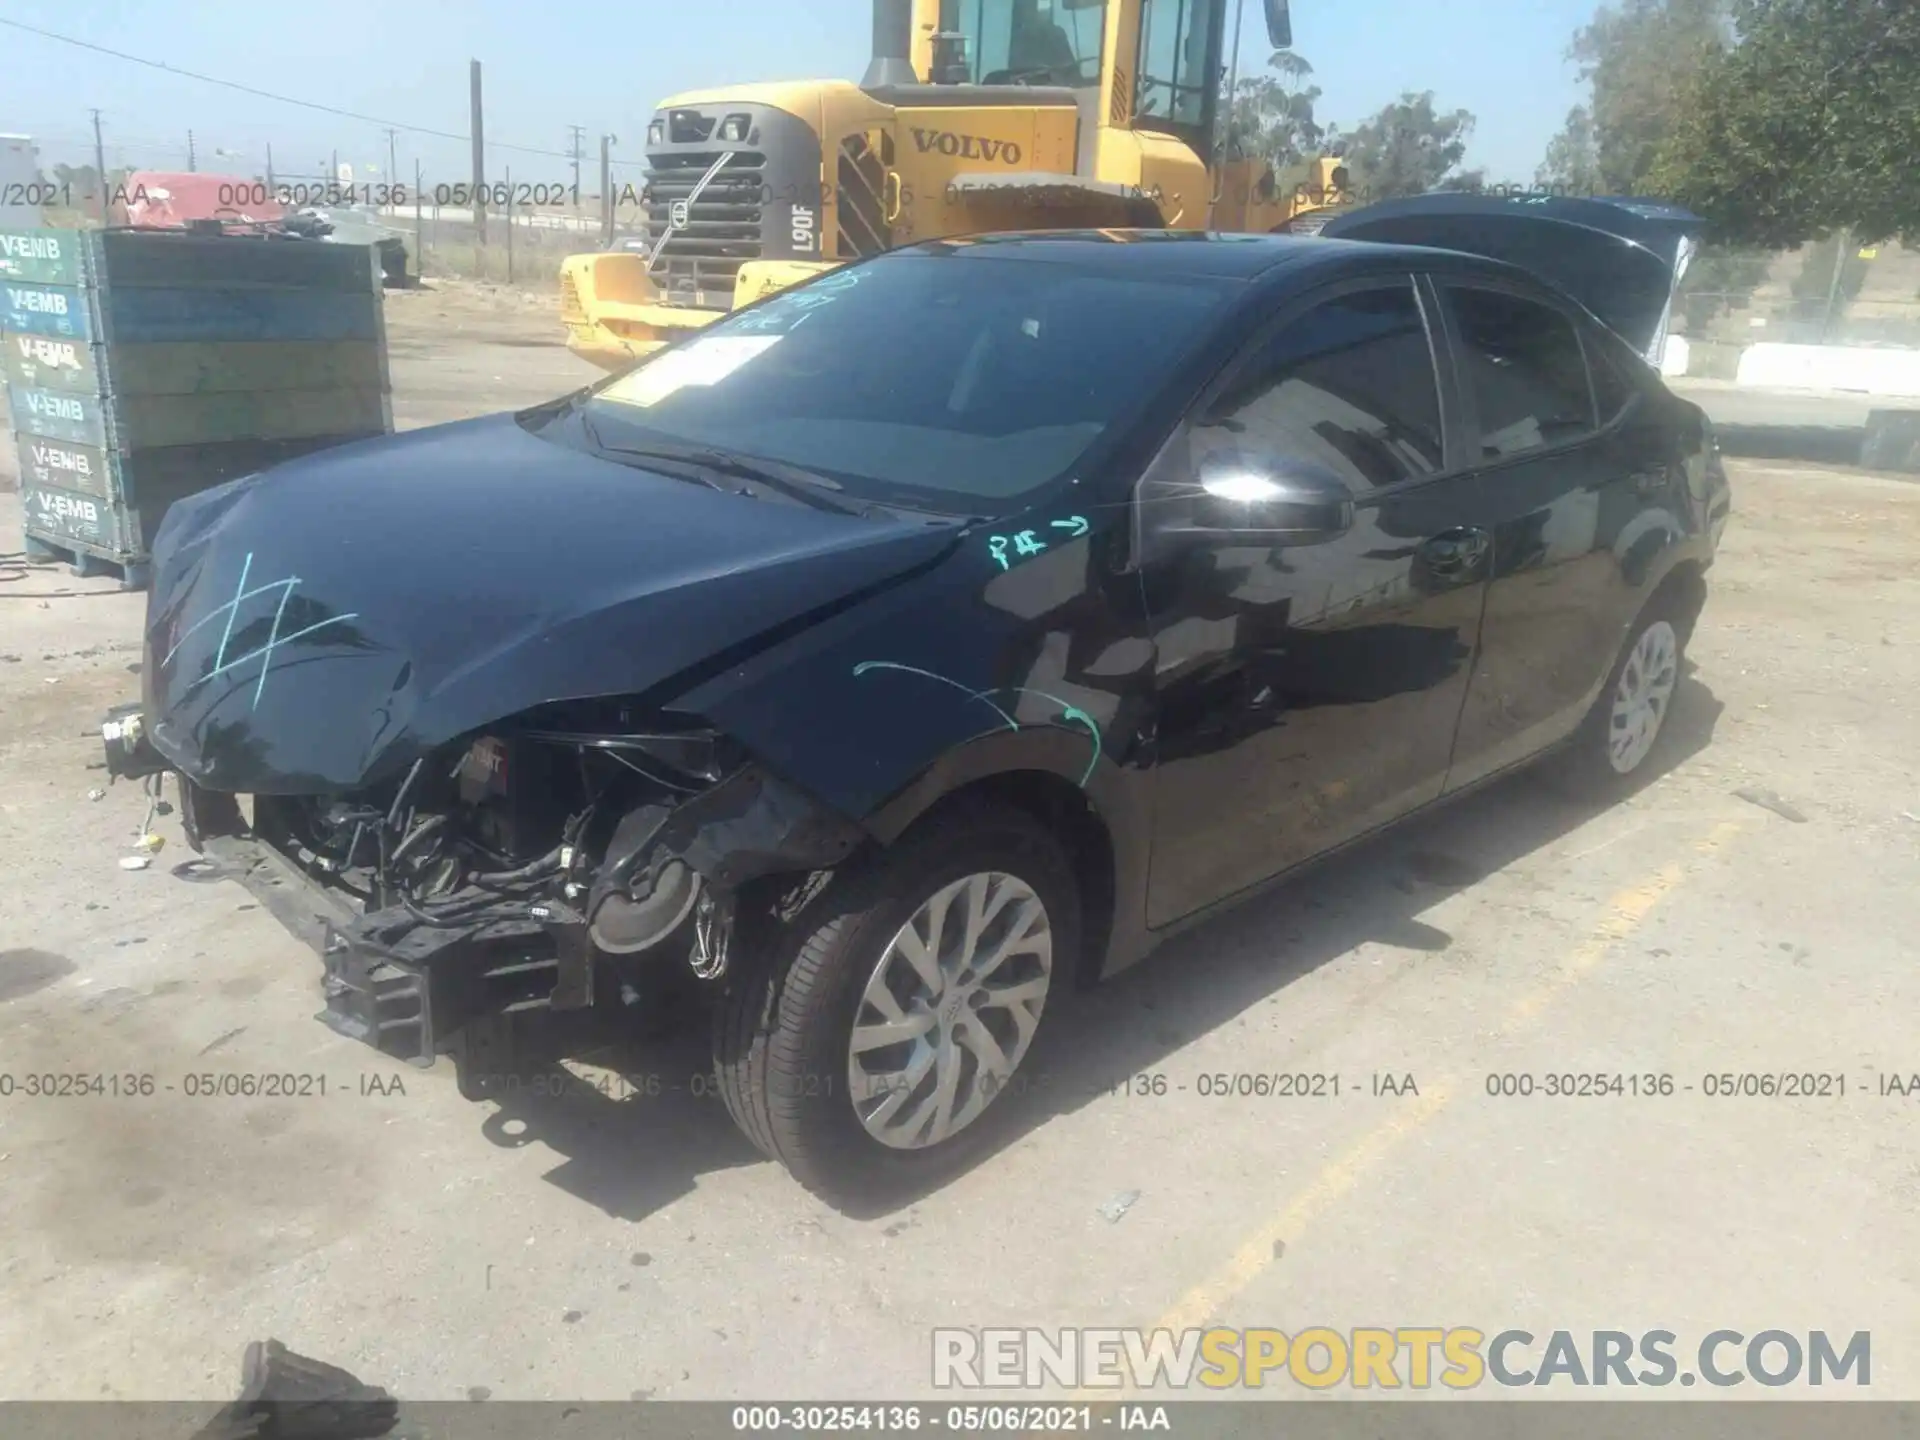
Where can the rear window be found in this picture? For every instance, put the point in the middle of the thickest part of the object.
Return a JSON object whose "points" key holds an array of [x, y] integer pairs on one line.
{"points": [[1523, 364], [958, 381], [1612, 391]]}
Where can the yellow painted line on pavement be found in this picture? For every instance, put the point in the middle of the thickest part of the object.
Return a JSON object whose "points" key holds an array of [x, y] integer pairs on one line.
{"points": [[1335, 1179], [1626, 911]]}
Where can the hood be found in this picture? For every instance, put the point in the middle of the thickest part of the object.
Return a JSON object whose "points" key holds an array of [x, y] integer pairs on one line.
{"points": [[319, 626], [1622, 259]]}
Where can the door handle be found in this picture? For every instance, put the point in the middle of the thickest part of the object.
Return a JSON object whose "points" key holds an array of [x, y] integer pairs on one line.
{"points": [[1456, 555]]}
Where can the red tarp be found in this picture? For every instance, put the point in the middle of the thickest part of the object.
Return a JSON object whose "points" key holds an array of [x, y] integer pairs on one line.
{"points": [[155, 199]]}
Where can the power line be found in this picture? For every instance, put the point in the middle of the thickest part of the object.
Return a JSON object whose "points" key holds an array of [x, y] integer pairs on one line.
{"points": [[268, 94]]}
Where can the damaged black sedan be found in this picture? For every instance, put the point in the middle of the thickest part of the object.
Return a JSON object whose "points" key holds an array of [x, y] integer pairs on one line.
{"points": [[922, 642]]}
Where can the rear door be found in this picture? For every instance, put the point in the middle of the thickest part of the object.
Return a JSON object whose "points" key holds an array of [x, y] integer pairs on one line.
{"points": [[1308, 693], [1565, 465]]}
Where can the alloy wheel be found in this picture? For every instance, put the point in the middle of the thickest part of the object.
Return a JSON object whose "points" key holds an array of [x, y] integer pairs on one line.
{"points": [[1641, 698], [950, 1010]]}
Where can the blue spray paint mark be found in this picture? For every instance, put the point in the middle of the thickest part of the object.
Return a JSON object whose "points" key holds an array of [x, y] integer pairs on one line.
{"points": [[981, 695], [275, 640], [1027, 543], [1069, 712]]}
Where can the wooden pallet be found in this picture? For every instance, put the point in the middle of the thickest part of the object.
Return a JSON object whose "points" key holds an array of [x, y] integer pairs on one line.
{"points": [[85, 563]]}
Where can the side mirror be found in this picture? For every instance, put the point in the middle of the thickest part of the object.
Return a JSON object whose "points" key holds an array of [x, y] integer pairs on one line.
{"points": [[1279, 25], [1285, 501]]}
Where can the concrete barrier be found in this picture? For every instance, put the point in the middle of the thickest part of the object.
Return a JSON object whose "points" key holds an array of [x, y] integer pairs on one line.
{"points": [[1830, 367], [1892, 441], [1674, 356]]}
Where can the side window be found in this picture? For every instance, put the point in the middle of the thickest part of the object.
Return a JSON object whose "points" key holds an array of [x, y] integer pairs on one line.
{"points": [[1176, 82], [990, 47], [1612, 391], [1349, 385], [1523, 364]]}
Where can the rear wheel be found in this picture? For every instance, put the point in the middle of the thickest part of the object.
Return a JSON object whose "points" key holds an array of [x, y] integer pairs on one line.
{"points": [[875, 1052], [1614, 748]]}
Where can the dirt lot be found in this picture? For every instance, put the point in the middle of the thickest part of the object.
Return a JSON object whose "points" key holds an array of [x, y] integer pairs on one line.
{"points": [[608, 1247]]}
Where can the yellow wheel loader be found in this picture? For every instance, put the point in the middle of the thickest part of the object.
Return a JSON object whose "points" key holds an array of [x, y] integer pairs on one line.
{"points": [[974, 116]]}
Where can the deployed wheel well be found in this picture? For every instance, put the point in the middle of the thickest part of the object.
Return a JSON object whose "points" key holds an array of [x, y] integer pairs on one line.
{"points": [[1683, 594], [1062, 807]]}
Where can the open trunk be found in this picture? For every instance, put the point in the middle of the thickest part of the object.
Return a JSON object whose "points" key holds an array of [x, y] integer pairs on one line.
{"points": [[1621, 258]]}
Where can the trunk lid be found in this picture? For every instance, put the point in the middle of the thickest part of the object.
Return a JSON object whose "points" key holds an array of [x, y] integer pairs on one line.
{"points": [[1621, 258]]}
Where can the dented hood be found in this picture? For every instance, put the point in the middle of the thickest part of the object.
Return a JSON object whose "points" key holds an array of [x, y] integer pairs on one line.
{"points": [[321, 625], [1622, 259]]}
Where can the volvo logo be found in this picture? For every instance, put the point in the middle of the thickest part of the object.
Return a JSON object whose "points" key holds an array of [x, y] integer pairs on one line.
{"points": [[680, 212]]}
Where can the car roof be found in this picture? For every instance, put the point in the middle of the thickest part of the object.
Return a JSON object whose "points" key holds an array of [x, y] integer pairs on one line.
{"points": [[1251, 258]]}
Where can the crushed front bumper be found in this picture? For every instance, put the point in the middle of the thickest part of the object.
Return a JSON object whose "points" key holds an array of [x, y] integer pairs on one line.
{"points": [[459, 981], [404, 988], [407, 989]]}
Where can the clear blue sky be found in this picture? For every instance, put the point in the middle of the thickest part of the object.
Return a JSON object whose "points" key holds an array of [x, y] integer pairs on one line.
{"points": [[604, 65]]}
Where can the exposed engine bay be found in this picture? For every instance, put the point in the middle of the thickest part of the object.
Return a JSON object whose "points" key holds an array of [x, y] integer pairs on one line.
{"points": [[542, 866], [513, 819]]}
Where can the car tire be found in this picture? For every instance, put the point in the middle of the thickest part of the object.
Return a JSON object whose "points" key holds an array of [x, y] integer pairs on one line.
{"points": [[785, 1026], [1619, 744]]}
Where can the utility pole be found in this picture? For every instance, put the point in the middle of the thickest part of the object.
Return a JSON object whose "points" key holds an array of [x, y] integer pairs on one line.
{"points": [[393, 166], [100, 166], [1840, 247], [579, 138], [270, 185], [607, 142], [190, 165], [479, 159]]}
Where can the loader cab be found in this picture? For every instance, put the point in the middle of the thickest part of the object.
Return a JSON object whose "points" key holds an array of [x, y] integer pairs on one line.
{"points": [[1021, 42], [1144, 65]]}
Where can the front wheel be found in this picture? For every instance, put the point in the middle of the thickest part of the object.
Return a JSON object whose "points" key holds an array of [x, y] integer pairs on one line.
{"points": [[873, 1053]]}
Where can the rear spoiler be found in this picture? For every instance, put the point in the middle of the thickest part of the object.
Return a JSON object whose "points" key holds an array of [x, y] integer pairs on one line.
{"points": [[1622, 258]]}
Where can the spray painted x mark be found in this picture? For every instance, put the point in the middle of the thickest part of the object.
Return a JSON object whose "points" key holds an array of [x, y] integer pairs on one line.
{"points": [[275, 640]]}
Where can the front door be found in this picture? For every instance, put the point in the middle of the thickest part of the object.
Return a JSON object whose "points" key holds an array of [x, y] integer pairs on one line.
{"points": [[1308, 693]]}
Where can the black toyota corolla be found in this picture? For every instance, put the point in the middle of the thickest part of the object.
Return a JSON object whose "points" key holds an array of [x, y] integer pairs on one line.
{"points": [[924, 641]]}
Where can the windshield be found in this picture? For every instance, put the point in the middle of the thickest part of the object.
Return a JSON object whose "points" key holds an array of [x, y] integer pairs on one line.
{"points": [[947, 381], [1033, 42]]}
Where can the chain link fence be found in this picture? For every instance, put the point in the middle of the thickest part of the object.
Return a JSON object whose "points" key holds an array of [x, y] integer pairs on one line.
{"points": [[1832, 292], [524, 243]]}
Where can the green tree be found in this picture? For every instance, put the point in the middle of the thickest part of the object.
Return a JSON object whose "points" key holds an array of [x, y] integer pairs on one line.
{"points": [[1821, 297], [1271, 117], [1409, 148], [82, 178], [1808, 125], [1572, 164], [1639, 59]]}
